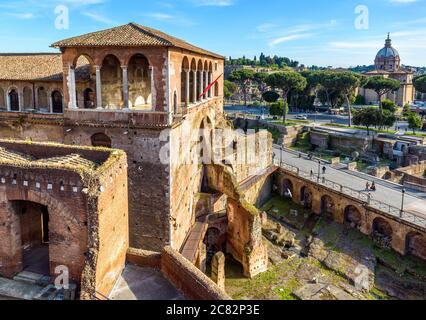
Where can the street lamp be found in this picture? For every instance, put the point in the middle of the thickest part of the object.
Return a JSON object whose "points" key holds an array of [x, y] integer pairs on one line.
{"points": [[402, 203], [281, 156]]}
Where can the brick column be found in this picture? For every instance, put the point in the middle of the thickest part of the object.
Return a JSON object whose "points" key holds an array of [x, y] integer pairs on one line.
{"points": [[71, 88], [218, 270]]}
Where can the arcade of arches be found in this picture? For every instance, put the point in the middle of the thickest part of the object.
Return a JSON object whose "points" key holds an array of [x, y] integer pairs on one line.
{"points": [[391, 232]]}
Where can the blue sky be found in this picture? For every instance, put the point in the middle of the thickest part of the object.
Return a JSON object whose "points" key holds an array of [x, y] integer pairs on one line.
{"points": [[321, 32]]}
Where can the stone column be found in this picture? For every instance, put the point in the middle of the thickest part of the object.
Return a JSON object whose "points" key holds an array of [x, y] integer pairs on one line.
{"points": [[187, 93], [71, 88], [125, 87], [195, 87], [98, 88], [218, 270]]}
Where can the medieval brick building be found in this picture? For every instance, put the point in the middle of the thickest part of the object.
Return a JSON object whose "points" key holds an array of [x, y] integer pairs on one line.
{"points": [[151, 95]]}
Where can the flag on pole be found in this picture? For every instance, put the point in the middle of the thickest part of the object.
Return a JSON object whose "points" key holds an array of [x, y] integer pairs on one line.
{"points": [[210, 86]]}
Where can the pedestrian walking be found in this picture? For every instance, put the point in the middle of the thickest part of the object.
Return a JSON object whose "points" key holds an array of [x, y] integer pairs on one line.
{"points": [[367, 186], [373, 186], [324, 170]]}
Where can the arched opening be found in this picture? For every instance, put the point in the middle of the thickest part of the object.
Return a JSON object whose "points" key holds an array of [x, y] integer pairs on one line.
{"points": [[3, 105], [210, 78], [57, 102], [205, 78], [85, 73], [28, 98], [382, 232], [216, 89], [140, 95], [89, 99], [184, 77], [42, 102], [112, 83], [192, 81], [199, 80], [416, 245], [33, 235], [353, 217], [101, 140], [306, 197], [13, 100], [328, 207], [288, 189], [213, 243]]}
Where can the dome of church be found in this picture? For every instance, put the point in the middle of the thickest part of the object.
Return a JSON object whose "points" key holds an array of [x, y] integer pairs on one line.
{"points": [[388, 51]]}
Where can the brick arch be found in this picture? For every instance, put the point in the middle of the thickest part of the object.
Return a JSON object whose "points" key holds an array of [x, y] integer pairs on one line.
{"points": [[415, 244], [382, 231], [353, 217], [85, 55], [64, 229]]}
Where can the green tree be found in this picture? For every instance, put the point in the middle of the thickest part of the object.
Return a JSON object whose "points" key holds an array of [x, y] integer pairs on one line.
{"points": [[286, 81], [346, 83], [420, 83], [271, 96], [260, 79], [367, 117], [229, 89], [415, 122], [277, 109], [388, 119], [242, 78], [389, 105], [360, 100], [406, 110], [382, 86]]}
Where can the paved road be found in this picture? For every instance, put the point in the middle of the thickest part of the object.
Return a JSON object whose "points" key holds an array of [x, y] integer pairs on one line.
{"points": [[386, 192], [318, 118]]}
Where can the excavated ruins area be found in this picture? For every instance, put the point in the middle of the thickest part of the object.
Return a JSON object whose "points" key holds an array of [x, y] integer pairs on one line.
{"points": [[313, 258]]}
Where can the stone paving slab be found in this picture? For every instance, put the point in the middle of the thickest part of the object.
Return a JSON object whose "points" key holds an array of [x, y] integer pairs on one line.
{"points": [[138, 283]]}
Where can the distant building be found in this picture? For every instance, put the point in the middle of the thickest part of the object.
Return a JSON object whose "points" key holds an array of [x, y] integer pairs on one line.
{"points": [[388, 65]]}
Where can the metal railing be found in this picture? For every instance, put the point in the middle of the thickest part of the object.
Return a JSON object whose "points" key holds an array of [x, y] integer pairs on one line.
{"points": [[363, 197]]}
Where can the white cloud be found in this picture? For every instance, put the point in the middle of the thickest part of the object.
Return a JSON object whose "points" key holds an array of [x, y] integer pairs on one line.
{"points": [[98, 18], [403, 1], [22, 16], [292, 37], [214, 3]]}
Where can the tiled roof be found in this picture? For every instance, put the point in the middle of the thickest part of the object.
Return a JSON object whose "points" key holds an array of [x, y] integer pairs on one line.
{"points": [[37, 66], [131, 35]]}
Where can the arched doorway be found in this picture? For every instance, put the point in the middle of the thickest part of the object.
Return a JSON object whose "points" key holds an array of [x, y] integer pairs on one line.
{"points": [[140, 95], [57, 104], [13, 100], [184, 82], [288, 190], [328, 207], [112, 83], [353, 217], [382, 232], [33, 235], [101, 140], [416, 245], [89, 99], [306, 197]]}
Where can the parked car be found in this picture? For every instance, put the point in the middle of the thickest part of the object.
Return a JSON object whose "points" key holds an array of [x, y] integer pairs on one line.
{"points": [[301, 117]]}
